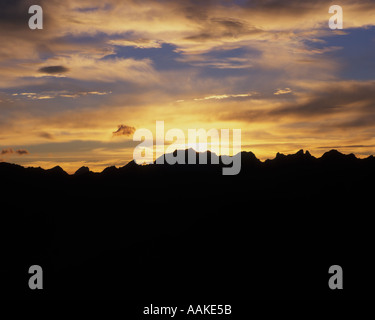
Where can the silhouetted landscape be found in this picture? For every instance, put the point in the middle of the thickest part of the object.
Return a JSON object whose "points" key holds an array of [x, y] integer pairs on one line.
{"points": [[187, 232]]}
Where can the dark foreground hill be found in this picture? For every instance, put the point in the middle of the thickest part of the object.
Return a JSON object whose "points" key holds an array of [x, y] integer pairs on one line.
{"points": [[188, 232]]}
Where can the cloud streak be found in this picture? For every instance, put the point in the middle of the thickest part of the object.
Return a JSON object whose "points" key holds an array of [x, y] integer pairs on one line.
{"points": [[10, 151], [224, 96], [282, 91]]}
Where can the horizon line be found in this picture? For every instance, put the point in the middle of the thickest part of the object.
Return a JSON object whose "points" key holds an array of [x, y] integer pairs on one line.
{"points": [[304, 151]]}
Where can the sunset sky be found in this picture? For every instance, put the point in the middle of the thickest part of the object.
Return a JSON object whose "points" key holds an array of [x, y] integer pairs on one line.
{"points": [[73, 93]]}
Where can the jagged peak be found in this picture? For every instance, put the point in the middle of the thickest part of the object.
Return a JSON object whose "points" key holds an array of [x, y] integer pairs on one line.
{"points": [[248, 156], [82, 170], [110, 170], [332, 153], [57, 170], [249, 153], [303, 154], [280, 155], [300, 153]]}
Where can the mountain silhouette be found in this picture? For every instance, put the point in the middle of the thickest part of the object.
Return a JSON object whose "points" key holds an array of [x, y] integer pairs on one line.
{"points": [[248, 160], [187, 231], [82, 171]]}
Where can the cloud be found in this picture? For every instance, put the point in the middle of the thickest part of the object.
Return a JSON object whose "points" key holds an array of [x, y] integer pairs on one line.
{"points": [[21, 152], [229, 29], [54, 69], [7, 151], [14, 14], [124, 130], [354, 99], [224, 96], [350, 146], [44, 95], [282, 91], [46, 135], [98, 93], [82, 93], [138, 43], [92, 67]]}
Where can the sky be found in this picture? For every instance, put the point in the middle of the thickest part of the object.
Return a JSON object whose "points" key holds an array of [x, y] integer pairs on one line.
{"points": [[73, 93]]}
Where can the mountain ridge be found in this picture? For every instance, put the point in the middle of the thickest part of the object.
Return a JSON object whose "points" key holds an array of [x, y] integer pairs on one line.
{"points": [[248, 158]]}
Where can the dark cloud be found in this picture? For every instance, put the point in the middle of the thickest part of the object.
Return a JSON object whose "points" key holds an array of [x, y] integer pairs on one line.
{"points": [[7, 151], [16, 37], [291, 6], [329, 100], [354, 98], [46, 135], [124, 131], [54, 69], [14, 18], [14, 14], [364, 120], [217, 28], [22, 152]]}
